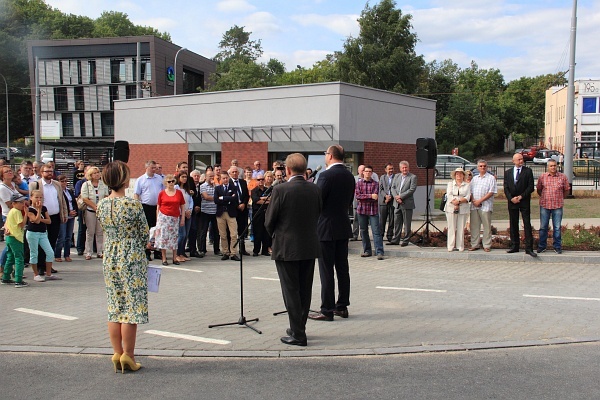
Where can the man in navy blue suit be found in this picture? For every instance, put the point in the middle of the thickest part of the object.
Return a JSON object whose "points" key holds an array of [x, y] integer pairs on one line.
{"points": [[226, 199], [334, 230]]}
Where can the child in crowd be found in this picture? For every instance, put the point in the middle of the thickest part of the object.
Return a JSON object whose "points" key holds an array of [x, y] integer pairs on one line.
{"points": [[14, 232], [37, 235]]}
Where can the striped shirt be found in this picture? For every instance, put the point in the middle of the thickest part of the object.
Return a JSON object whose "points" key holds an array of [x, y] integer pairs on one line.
{"points": [[208, 207]]}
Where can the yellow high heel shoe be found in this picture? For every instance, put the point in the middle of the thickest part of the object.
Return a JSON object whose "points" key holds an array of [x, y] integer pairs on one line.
{"points": [[116, 359], [127, 363]]}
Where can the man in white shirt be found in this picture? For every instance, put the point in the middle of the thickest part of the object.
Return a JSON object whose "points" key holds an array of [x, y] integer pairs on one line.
{"points": [[483, 190]]}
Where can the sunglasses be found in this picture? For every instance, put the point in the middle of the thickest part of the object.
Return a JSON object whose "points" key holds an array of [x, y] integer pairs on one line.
{"points": [[260, 179], [171, 181]]}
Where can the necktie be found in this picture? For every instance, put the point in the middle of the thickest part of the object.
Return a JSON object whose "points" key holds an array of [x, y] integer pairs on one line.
{"points": [[518, 173]]}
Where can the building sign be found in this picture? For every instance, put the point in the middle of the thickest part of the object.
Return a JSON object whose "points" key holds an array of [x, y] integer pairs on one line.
{"points": [[170, 74], [589, 87], [50, 130]]}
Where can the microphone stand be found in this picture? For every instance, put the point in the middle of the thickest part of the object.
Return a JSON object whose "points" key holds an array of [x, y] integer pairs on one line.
{"points": [[243, 321]]}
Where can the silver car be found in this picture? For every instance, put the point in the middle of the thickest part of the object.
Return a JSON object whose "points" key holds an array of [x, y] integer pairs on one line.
{"points": [[446, 163]]}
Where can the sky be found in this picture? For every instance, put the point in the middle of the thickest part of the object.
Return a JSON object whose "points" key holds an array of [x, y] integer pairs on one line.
{"points": [[518, 37]]}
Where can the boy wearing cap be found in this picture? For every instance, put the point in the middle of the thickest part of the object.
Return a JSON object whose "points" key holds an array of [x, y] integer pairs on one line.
{"points": [[14, 234]]}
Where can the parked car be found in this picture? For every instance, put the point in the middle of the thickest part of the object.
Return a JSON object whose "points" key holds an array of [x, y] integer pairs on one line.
{"points": [[543, 156], [529, 153], [446, 163], [586, 168], [62, 157]]}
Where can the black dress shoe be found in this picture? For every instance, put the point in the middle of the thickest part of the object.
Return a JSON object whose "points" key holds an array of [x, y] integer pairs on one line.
{"points": [[512, 250], [195, 254], [245, 253], [54, 271], [265, 254], [318, 316], [392, 244], [254, 254], [403, 244], [234, 258], [293, 341], [531, 253], [225, 257], [341, 313]]}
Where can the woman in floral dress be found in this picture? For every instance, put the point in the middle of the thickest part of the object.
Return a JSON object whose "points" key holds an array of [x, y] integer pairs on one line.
{"points": [[124, 264]]}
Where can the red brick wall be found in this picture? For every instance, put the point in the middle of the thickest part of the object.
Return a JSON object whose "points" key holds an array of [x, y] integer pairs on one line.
{"points": [[246, 153], [168, 155], [379, 154]]}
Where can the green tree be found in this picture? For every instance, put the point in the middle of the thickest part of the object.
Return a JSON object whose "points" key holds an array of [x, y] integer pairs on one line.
{"points": [[383, 55], [438, 82], [236, 45], [325, 70]]}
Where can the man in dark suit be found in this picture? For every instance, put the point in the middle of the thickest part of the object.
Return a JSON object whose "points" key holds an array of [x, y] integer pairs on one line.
{"points": [[241, 187], [334, 230], [292, 222], [386, 202], [226, 199], [518, 186]]}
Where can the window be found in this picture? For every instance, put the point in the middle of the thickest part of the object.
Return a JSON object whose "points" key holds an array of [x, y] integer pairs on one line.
{"points": [[60, 99], [192, 81], [590, 105], [60, 73], [79, 99], [92, 72], [79, 78], [107, 120], [81, 124], [117, 71], [114, 95], [146, 68], [67, 124], [130, 92]]}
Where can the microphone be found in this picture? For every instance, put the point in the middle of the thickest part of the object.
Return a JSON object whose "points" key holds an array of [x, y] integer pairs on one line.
{"points": [[270, 188], [314, 173]]}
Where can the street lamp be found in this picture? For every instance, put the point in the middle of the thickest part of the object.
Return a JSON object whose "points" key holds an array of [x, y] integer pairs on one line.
{"points": [[301, 70], [7, 124], [175, 72]]}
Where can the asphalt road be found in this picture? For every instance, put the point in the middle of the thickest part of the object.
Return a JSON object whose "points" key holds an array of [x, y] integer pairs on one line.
{"points": [[547, 372]]}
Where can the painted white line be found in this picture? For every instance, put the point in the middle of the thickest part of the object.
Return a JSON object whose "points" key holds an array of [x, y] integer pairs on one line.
{"points": [[187, 337], [180, 269], [562, 297], [411, 289], [46, 314], [264, 279]]}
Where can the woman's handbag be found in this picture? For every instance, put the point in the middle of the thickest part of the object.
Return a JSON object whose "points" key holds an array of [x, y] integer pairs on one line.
{"points": [[80, 203], [443, 202]]}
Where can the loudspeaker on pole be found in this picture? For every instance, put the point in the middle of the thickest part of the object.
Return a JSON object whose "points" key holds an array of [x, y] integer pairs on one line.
{"points": [[426, 153], [121, 151]]}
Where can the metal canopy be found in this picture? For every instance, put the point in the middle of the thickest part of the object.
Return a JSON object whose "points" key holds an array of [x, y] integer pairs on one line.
{"points": [[267, 133]]}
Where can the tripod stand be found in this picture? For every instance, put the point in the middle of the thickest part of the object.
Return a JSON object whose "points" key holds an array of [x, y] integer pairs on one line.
{"points": [[427, 223], [243, 321]]}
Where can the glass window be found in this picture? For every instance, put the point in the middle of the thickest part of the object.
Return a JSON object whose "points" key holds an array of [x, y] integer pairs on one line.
{"points": [[60, 99], [589, 105], [79, 78], [146, 68], [114, 95], [79, 99], [67, 124], [92, 72], [192, 81], [81, 124], [117, 71], [107, 121], [60, 73], [130, 92]]}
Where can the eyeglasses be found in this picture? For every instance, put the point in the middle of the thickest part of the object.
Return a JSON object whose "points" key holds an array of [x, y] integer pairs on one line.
{"points": [[260, 179], [171, 181]]}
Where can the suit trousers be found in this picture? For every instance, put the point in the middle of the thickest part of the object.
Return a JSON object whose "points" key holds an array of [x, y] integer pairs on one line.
{"points": [[194, 232], [513, 216], [402, 219], [386, 215], [206, 221], [242, 224], [456, 230], [296, 278], [481, 218], [225, 221], [334, 257], [150, 213]]}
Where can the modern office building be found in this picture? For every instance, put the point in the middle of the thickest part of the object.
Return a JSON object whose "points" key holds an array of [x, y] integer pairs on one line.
{"points": [[587, 118], [79, 81]]}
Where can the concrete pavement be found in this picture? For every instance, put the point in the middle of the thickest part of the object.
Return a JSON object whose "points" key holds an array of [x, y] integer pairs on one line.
{"points": [[416, 300]]}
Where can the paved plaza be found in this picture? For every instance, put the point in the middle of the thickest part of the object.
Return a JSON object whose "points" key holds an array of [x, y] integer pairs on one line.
{"points": [[413, 301]]}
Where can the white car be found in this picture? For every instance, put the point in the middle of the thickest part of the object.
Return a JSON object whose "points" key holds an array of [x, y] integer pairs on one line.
{"points": [[543, 156], [62, 158], [446, 163]]}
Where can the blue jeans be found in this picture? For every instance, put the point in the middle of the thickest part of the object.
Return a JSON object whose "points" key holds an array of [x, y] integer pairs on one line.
{"points": [[64, 238], [545, 215], [3, 255], [36, 239], [363, 222], [182, 236]]}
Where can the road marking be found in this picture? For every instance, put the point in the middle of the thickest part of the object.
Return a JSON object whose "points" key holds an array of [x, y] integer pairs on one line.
{"points": [[411, 289], [181, 269], [562, 297], [187, 337], [264, 279], [46, 314]]}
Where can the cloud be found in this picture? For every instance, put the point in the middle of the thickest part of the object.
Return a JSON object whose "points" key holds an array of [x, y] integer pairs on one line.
{"points": [[341, 24], [262, 24], [240, 6]]}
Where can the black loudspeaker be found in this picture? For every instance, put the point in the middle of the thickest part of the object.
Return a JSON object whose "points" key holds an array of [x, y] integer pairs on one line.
{"points": [[426, 153], [121, 151]]}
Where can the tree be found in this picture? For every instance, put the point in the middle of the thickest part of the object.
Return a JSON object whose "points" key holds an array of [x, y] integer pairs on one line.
{"points": [[438, 82], [236, 45], [383, 55]]}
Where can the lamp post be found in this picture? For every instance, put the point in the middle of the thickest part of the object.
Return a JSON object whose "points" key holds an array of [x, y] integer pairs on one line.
{"points": [[175, 70], [301, 71], [7, 123]]}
